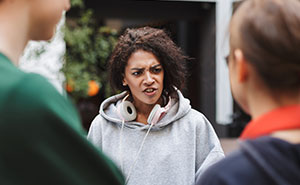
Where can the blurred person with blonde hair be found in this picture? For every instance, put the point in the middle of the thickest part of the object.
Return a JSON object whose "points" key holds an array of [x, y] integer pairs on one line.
{"points": [[264, 70]]}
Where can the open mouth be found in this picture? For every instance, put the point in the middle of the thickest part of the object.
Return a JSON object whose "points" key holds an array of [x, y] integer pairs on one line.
{"points": [[150, 90]]}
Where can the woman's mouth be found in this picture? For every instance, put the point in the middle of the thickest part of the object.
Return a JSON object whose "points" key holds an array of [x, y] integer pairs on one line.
{"points": [[150, 91]]}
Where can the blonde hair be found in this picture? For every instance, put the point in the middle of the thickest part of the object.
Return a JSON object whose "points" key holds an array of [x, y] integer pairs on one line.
{"points": [[268, 33]]}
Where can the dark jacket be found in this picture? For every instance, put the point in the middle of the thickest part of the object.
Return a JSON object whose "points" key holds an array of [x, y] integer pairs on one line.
{"points": [[263, 161]]}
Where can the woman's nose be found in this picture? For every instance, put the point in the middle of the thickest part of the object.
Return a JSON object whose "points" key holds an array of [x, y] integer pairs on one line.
{"points": [[148, 78]]}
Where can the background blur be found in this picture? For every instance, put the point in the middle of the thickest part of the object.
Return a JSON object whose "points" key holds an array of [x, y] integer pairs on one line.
{"points": [[75, 60]]}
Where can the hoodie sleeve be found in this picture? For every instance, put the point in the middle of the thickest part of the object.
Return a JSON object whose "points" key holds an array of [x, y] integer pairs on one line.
{"points": [[95, 132], [208, 148]]}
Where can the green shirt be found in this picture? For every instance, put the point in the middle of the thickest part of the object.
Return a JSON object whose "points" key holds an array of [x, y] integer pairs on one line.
{"points": [[41, 138]]}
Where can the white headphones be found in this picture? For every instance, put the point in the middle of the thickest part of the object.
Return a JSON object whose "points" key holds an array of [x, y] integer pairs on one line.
{"points": [[127, 111]]}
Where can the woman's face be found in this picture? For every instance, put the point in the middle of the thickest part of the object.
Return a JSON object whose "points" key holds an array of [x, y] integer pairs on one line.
{"points": [[144, 76], [44, 15]]}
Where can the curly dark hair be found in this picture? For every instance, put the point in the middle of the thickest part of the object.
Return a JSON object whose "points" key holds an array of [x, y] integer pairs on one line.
{"points": [[157, 42]]}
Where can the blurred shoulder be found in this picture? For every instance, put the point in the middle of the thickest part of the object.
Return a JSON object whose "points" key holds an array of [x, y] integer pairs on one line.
{"points": [[34, 98], [33, 89], [235, 169]]}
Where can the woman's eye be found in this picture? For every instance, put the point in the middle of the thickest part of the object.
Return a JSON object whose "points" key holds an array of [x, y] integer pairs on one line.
{"points": [[136, 73], [156, 70]]}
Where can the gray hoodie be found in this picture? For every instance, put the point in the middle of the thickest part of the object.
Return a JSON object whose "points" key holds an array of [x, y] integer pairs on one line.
{"points": [[175, 152]]}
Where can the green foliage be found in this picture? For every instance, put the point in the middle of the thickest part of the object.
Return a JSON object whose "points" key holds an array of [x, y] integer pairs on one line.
{"points": [[77, 3], [88, 47]]}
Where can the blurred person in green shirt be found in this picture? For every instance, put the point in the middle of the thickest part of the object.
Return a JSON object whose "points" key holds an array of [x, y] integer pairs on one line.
{"points": [[41, 138]]}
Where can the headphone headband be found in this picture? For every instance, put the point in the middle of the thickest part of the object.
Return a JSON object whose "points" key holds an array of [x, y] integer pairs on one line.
{"points": [[127, 111]]}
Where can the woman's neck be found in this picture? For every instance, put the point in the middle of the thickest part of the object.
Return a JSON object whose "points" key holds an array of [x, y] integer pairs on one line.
{"points": [[143, 110]]}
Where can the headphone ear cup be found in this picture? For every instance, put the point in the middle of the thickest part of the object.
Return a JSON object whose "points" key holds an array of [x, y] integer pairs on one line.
{"points": [[127, 111], [154, 114]]}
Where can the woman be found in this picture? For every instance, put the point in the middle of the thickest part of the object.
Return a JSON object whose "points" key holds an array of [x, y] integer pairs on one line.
{"points": [[264, 66], [150, 129]]}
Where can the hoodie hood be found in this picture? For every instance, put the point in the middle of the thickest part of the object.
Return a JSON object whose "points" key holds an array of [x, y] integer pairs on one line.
{"points": [[180, 106]]}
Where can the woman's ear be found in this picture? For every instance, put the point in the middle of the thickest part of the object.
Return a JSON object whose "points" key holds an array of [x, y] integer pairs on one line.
{"points": [[124, 82], [241, 65]]}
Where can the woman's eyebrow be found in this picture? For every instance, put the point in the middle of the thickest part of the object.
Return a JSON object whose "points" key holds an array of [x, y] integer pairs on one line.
{"points": [[136, 68], [157, 65]]}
